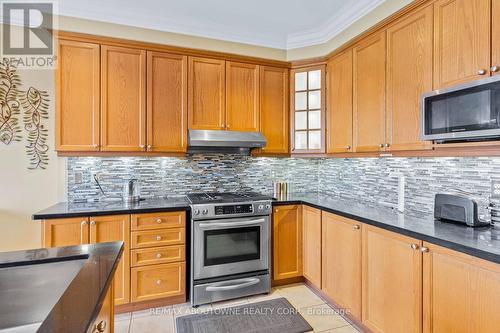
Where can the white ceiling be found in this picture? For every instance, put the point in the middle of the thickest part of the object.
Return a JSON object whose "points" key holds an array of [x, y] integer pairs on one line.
{"points": [[283, 24]]}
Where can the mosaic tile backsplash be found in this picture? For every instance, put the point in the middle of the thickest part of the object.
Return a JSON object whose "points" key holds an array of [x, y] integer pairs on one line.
{"points": [[369, 180]]}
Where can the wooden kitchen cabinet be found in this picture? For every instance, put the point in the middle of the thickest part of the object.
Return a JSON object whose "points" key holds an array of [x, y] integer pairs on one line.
{"points": [[369, 93], [158, 281], [312, 245], [167, 114], [287, 242], [461, 293], [78, 96], [242, 97], [461, 41], [339, 111], [341, 261], [391, 282], [274, 111], [206, 94], [495, 38], [409, 75], [123, 99], [105, 321], [110, 229], [65, 232]]}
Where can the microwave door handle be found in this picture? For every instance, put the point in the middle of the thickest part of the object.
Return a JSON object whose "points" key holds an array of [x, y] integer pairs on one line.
{"points": [[246, 283], [231, 224]]}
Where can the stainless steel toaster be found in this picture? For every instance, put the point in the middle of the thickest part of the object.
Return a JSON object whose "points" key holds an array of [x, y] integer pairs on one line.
{"points": [[458, 209]]}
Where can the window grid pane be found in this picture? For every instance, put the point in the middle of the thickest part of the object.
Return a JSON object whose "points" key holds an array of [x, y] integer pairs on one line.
{"points": [[308, 105]]}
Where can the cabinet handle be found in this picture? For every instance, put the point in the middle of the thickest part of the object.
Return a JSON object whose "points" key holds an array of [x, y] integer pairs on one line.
{"points": [[424, 249], [414, 246], [142, 146], [101, 327], [158, 255], [158, 238], [158, 282], [494, 69], [84, 223], [481, 72], [356, 227], [92, 222], [158, 220]]}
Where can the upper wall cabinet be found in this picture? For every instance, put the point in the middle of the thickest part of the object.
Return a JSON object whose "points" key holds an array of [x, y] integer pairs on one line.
{"points": [[274, 109], [369, 94], [206, 94], [167, 102], [409, 75], [495, 38], [123, 99], [242, 97], [461, 41], [308, 110], [78, 96], [339, 99]]}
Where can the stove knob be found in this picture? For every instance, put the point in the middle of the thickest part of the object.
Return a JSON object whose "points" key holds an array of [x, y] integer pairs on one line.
{"points": [[196, 212], [261, 207], [205, 212], [268, 206]]}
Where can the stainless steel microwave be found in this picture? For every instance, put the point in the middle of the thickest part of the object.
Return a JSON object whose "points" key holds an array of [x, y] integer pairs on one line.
{"points": [[468, 111]]}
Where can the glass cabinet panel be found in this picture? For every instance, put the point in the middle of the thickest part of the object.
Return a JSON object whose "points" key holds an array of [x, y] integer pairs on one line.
{"points": [[301, 81]]}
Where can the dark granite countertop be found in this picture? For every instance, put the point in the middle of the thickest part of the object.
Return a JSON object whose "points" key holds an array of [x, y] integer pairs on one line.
{"points": [[483, 242], [28, 292], [67, 209]]}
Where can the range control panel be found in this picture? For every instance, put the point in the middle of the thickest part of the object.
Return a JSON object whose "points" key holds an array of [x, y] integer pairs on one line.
{"points": [[234, 209]]}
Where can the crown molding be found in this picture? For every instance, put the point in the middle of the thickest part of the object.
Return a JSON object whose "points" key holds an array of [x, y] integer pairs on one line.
{"points": [[334, 26]]}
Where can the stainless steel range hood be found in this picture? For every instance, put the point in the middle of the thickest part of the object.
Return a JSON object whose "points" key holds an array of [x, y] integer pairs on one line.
{"points": [[202, 141]]}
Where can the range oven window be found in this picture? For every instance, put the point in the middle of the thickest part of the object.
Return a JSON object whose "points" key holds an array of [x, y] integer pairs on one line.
{"points": [[223, 246], [472, 109]]}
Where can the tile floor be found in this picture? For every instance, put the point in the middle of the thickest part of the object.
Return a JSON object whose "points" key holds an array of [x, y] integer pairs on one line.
{"points": [[318, 314]]}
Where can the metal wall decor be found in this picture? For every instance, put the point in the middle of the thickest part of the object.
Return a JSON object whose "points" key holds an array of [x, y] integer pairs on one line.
{"points": [[10, 129]]}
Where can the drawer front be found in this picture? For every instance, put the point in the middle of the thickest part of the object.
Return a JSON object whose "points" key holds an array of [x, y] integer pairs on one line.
{"points": [[158, 255], [161, 237], [158, 281], [158, 221]]}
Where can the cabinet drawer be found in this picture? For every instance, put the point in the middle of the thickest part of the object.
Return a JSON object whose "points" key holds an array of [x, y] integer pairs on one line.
{"points": [[158, 220], [152, 238], [158, 255], [158, 281]]}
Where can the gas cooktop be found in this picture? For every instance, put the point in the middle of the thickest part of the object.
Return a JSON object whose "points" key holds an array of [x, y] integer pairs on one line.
{"points": [[225, 197]]}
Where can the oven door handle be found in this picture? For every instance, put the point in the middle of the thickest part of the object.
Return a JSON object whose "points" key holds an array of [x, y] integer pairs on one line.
{"points": [[231, 224], [246, 283]]}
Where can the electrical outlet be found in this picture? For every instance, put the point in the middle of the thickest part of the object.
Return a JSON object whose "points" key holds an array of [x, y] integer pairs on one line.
{"points": [[495, 188]]}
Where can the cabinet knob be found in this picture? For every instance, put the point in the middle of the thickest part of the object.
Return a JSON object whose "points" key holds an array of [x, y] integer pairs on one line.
{"points": [[414, 246], [92, 222], [227, 126], [84, 222], [142, 146], [356, 227], [158, 238], [158, 220], [381, 145], [387, 145], [481, 72], [101, 327], [158, 255], [424, 249], [150, 147], [158, 282], [348, 147], [494, 69], [95, 145]]}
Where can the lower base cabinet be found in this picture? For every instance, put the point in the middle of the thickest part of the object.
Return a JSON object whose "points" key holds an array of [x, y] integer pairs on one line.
{"points": [[312, 245], [158, 281], [391, 282], [341, 262], [105, 321], [461, 293], [287, 242]]}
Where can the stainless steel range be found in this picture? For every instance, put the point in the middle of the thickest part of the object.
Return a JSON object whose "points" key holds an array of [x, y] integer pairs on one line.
{"points": [[230, 246]]}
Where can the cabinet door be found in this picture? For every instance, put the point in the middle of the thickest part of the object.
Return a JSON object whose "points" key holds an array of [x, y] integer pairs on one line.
{"points": [[274, 110], [312, 245], [495, 38], [159, 281], [341, 261], [287, 242], [111, 229], [339, 110], [242, 97], [409, 75], [206, 93], [65, 232], [123, 110], [167, 102], [369, 94], [392, 282], [461, 293], [78, 96], [461, 41], [105, 321]]}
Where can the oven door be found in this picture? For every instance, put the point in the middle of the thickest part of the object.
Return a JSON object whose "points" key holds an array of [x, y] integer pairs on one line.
{"points": [[225, 247]]}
